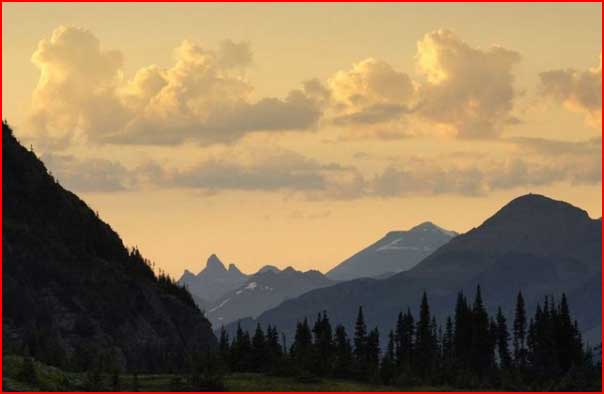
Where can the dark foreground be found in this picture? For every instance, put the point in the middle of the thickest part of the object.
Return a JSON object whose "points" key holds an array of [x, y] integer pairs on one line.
{"points": [[53, 379]]}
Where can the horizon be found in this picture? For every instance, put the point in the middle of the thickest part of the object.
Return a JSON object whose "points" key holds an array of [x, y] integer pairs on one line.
{"points": [[289, 146]]}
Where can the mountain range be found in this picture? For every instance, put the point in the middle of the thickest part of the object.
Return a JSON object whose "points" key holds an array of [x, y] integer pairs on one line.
{"points": [[213, 281], [72, 293], [533, 244], [262, 291], [397, 251]]}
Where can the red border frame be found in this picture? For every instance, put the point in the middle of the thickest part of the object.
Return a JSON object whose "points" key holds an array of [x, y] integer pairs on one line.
{"points": [[246, 1]]}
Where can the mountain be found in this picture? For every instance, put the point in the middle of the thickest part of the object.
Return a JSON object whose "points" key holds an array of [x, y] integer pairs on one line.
{"points": [[264, 290], [213, 281], [397, 251], [533, 244], [72, 293]]}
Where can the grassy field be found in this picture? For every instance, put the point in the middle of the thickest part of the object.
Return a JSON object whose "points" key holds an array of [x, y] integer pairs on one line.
{"points": [[53, 379]]}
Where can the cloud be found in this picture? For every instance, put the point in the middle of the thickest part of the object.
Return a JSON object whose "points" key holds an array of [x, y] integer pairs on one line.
{"points": [[421, 178], [467, 89], [371, 92], [537, 162], [204, 97], [579, 91], [76, 92], [275, 170], [89, 175]]}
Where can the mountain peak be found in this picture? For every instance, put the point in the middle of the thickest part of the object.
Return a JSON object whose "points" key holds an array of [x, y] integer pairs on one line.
{"points": [[539, 209], [233, 269], [268, 268], [214, 264], [429, 226]]}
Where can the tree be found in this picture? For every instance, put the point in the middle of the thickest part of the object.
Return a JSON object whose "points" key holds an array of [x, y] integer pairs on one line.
{"points": [[360, 344], [343, 354], [373, 355], [520, 332], [275, 352], [463, 333], [388, 367], [403, 337], [259, 350], [223, 345], [323, 345], [482, 357], [425, 342], [302, 349], [503, 338]]}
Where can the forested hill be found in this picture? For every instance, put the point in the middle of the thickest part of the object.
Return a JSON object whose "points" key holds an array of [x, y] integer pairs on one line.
{"points": [[73, 294]]}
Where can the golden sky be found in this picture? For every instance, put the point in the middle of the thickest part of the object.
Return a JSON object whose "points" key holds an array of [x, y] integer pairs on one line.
{"points": [[297, 134]]}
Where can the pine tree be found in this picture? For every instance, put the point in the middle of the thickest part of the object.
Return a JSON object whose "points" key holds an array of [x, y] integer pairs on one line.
{"points": [[463, 333], [503, 338], [482, 357], [520, 332], [259, 351], [224, 346], [302, 349], [323, 345], [360, 344], [388, 367], [373, 355], [343, 354], [274, 350], [425, 342]]}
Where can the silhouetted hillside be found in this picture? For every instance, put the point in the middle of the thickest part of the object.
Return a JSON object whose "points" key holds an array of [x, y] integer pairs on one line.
{"points": [[73, 295]]}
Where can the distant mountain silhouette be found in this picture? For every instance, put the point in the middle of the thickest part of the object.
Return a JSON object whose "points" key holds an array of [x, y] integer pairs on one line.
{"points": [[397, 251], [534, 244], [72, 293], [264, 290], [213, 281]]}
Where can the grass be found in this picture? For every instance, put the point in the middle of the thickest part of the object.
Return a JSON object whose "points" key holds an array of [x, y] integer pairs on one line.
{"points": [[53, 379]]}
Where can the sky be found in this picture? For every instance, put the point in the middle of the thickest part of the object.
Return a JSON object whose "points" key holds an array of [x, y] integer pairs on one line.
{"points": [[298, 134]]}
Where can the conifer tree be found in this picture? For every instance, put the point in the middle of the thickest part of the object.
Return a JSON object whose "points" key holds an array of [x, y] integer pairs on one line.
{"points": [[259, 350], [373, 355], [520, 332], [425, 342], [503, 338], [302, 348], [388, 367], [360, 344], [343, 354], [223, 346], [481, 350]]}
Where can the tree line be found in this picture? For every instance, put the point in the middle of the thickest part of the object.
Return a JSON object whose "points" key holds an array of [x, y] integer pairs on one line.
{"points": [[471, 349]]}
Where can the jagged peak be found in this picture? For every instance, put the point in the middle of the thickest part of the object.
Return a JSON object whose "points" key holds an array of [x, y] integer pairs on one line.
{"points": [[233, 269], [214, 264]]}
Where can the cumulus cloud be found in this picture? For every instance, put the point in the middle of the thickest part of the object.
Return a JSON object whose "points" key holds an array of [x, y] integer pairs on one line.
{"points": [[89, 175], [371, 92], [204, 97], [577, 90], [76, 92], [468, 89]]}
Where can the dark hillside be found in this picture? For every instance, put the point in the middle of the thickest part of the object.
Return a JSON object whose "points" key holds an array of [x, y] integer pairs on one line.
{"points": [[72, 293]]}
